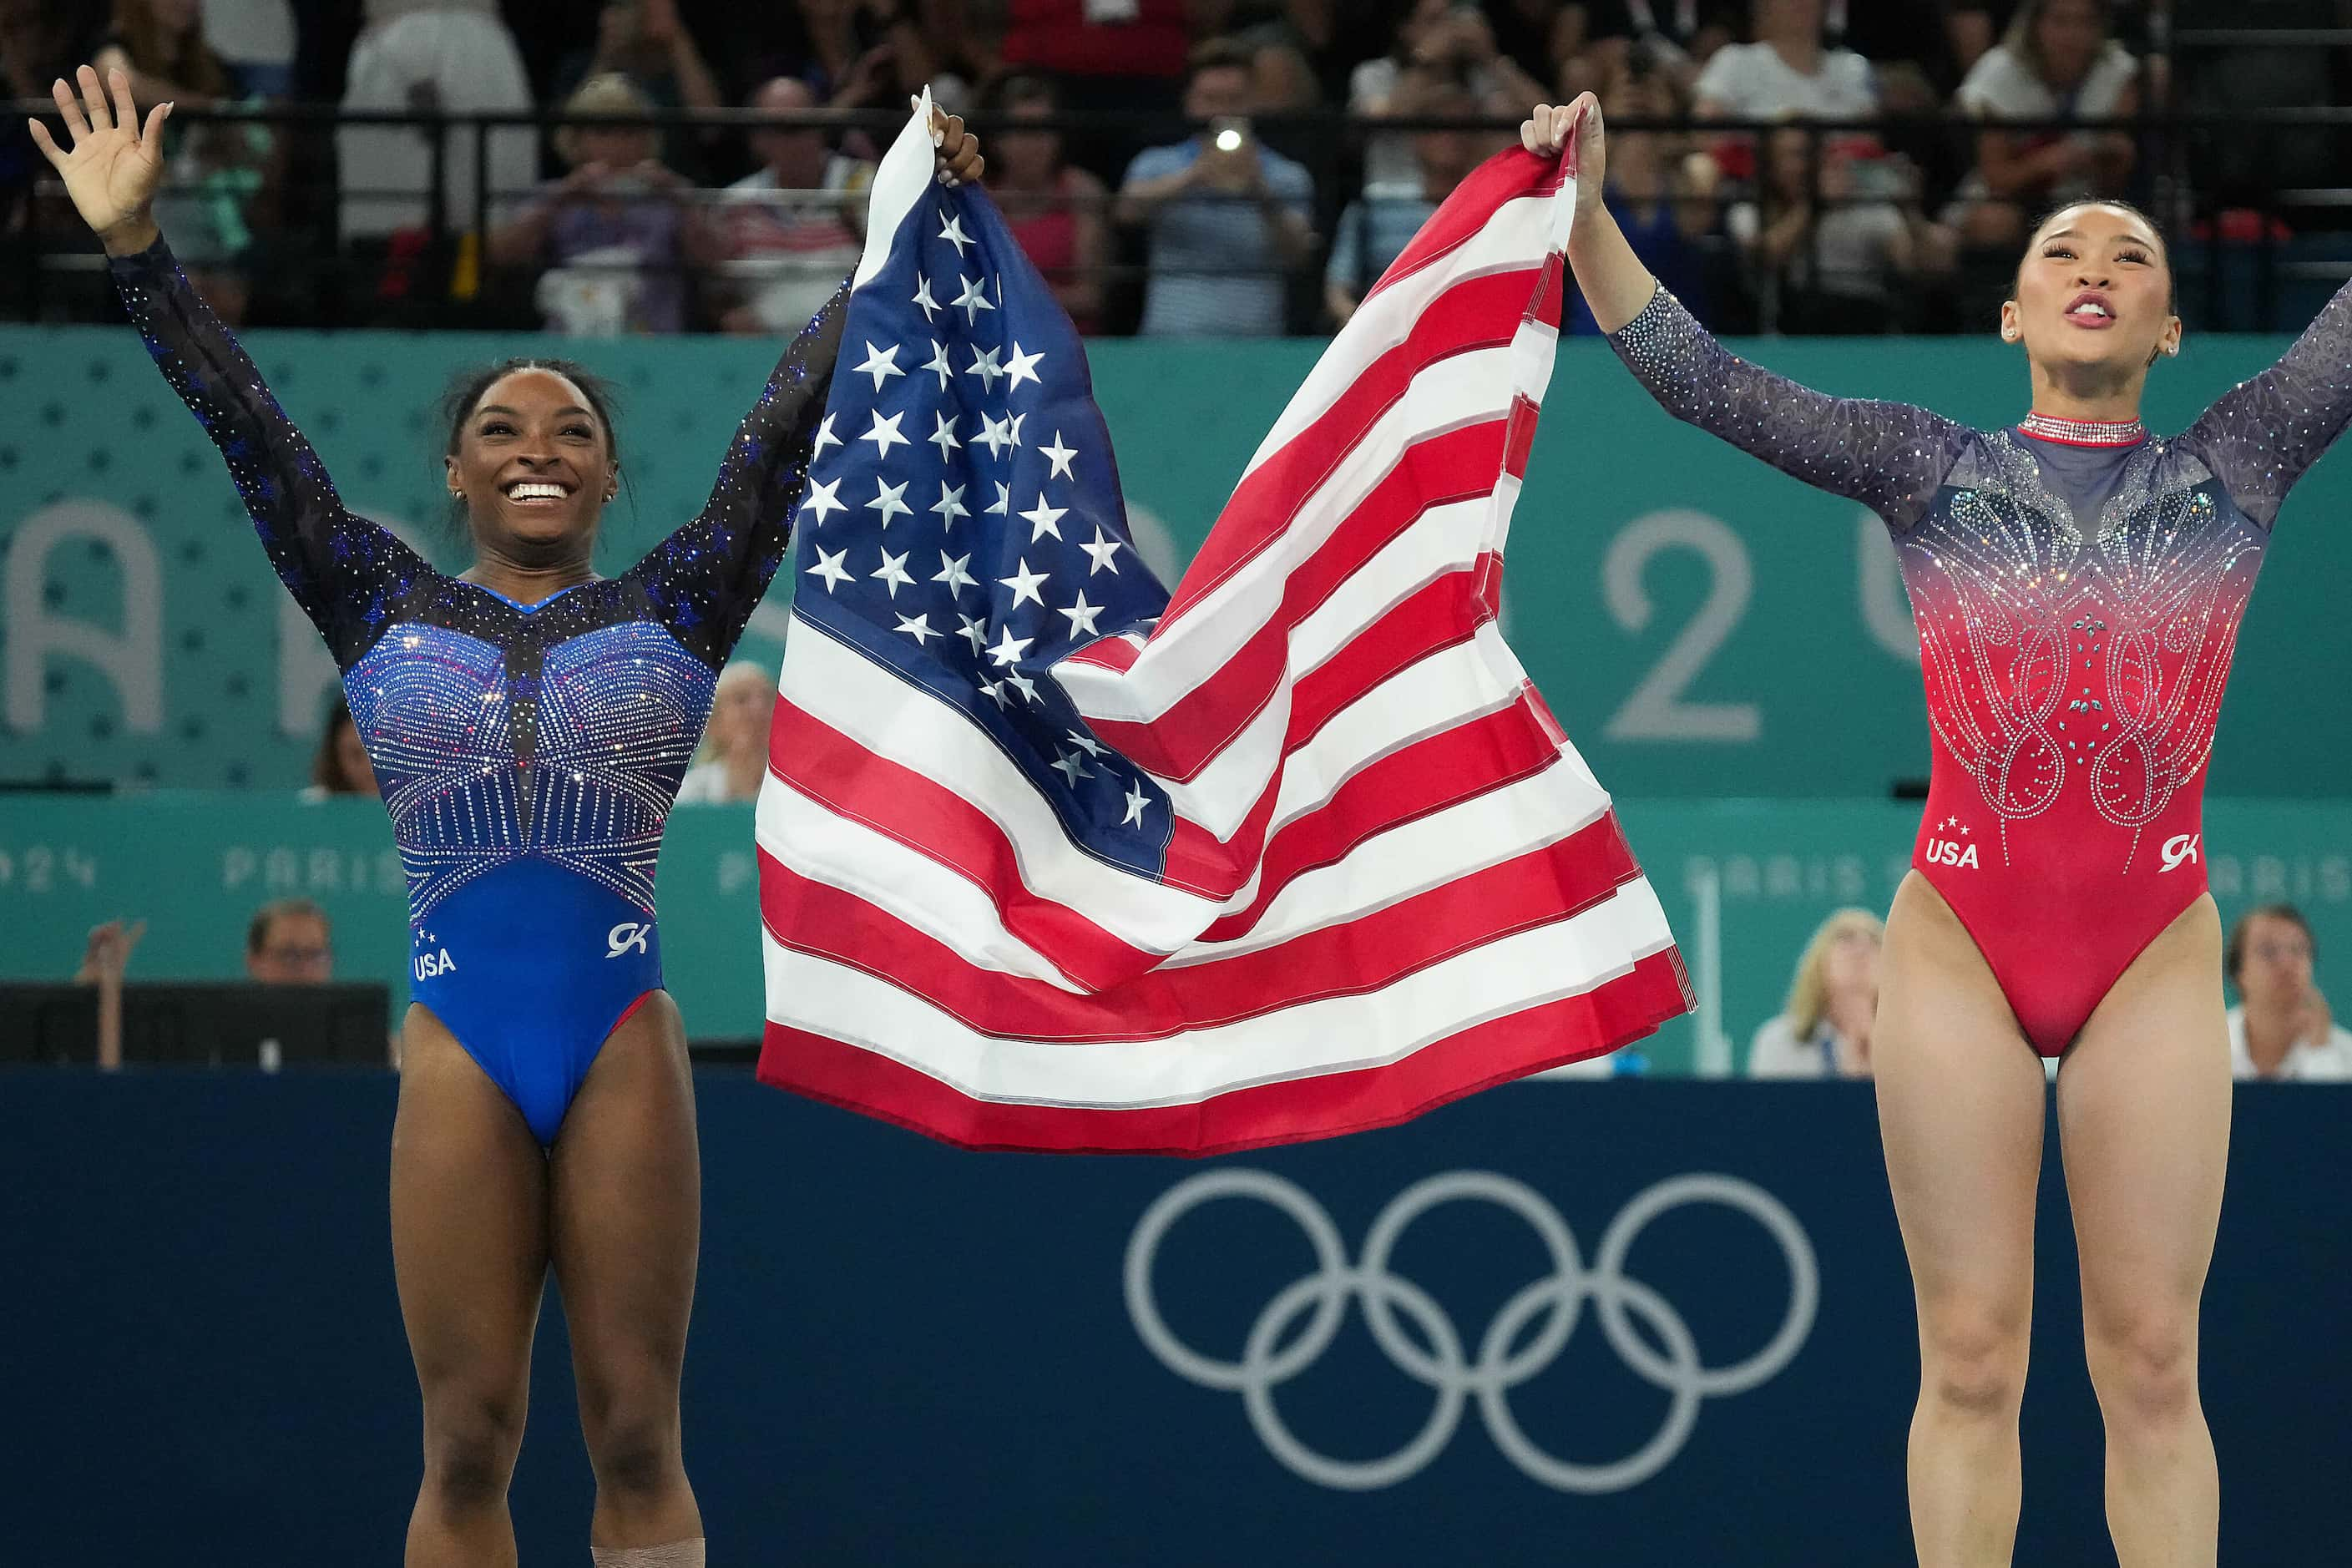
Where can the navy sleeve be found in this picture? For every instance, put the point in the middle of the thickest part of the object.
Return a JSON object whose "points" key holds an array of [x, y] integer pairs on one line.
{"points": [[2262, 435], [345, 571], [1890, 456], [706, 578]]}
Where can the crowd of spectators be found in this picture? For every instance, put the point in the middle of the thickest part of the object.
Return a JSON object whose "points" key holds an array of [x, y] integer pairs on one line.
{"points": [[1823, 166]]}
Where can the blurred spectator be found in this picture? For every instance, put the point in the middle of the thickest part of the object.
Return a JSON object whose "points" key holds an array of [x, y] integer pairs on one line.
{"points": [[39, 42], [645, 41], [617, 234], [218, 191], [2242, 166], [734, 755], [1227, 215], [1057, 213], [290, 942], [1675, 37], [1123, 55], [2281, 1028], [456, 56], [1662, 190], [1824, 1030], [874, 54], [254, 39], [1303, 55], [793, 228], [2056, 62], [1439, 44], [103, 963], [340, 765], [1787, 72], [1376, 226], [1826, 258]]}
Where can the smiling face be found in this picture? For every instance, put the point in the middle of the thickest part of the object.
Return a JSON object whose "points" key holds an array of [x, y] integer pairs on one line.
{"points": [[534, 464], [2093, 292]]}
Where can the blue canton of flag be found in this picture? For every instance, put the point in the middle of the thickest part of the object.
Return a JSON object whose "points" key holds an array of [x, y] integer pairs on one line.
{"points": [[963, 523]]}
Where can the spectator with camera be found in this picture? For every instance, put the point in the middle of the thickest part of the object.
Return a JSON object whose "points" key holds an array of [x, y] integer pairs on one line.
{"points": [[2281, 1028]]}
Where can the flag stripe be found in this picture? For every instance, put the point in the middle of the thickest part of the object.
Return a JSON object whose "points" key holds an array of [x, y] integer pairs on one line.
{"points": [[1536, 889], [1524, 969], [1478, 1056]]}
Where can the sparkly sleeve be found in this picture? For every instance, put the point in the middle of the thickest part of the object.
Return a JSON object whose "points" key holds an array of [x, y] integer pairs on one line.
{"points": [[1889, 456], [708, 577], [342, 570], [2263, 433]]}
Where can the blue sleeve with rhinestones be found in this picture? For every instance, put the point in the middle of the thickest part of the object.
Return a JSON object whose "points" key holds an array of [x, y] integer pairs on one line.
{"points": [[1889, 456], [706, 578], [2263, 433], [342, 570]]}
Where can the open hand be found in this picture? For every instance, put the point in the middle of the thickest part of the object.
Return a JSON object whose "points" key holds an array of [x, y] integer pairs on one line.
{"points": [[113, 169]]}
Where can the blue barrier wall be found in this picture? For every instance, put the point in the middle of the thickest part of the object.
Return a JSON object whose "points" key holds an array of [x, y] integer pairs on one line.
{"points": [[903, 1355]]}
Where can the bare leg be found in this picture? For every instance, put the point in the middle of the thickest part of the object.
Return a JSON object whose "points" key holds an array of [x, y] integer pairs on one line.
{"points": [[1960, 1109], [627, 1208], [469, 1250], [2144, 1120]]}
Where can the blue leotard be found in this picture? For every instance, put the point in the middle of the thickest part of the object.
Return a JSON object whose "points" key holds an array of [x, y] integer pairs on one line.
{"points": [[528, 754]]}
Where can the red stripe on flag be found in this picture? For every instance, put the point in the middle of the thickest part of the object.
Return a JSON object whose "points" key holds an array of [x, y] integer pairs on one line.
{"points": [[1538, 889], [1469, 759], [828, 767], [1522, 437], [1459, 465], [1472, 207], [1627, 1007]]}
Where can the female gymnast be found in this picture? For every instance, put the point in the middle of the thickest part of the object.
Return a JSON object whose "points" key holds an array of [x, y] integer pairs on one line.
{"points": [[529, 722], [2078, 588]]}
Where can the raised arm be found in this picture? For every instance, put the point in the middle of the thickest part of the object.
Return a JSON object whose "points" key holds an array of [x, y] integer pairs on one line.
{"points": [[2262, 435], [708, 576], [340, 568], [1888, 456]]}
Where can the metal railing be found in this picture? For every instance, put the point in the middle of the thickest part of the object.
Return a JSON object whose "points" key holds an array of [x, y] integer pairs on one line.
{"points": [[320, 274]]}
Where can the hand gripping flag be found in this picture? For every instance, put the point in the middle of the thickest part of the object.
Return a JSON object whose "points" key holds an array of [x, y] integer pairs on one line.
{"points": [[1050, 859]]}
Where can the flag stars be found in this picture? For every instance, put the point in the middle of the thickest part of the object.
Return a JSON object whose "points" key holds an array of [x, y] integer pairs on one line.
{"points": [[950, 506], [828, 568], [1060, 456], [1135, 801], [1009, 648], [994, 691], [923, 298], [938, 363], [1002, 504], [975, 298], [953, 232], [1024, 685], [1072, 767], [996, 435], [918, 627], [893, 575], [1086, 742], [1023, 583], [1043, 519], [983, 365], [943, 436], [885, 433], [954, 574], [1082, 617], [880, 363], [1021, 367], [1100, 553], [824, 438], [890, 500], [974, 633], [824, 500]]}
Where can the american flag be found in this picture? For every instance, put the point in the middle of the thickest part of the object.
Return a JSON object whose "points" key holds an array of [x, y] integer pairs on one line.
{"points": [[1050, 859]]}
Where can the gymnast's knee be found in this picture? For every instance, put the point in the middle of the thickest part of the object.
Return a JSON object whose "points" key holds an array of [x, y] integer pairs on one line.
{"points": [[637, 1456], [1973, 1359], [470, 1447], [2143, 1366]]}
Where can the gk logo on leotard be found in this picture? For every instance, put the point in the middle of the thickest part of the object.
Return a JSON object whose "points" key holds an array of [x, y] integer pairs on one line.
{"points": [[1524, 1339], [628, 934], [2180, 846]]}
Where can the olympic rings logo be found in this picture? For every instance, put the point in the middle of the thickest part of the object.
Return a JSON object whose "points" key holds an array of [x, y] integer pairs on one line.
{"points": [[1557, 1299]]}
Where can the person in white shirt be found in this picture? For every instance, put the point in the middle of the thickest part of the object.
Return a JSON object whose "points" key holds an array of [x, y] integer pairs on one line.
{"points": [[734, 755], [2281, 1028], [1787, 73], [1824, 1029], [794, 228]]}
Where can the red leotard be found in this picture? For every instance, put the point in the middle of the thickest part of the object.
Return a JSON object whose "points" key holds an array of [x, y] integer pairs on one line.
{"points": [[2077, 590]]}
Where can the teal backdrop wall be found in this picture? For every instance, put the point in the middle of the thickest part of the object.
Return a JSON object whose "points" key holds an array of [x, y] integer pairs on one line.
{"points": [[1704, 626], [1731, 652]]}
